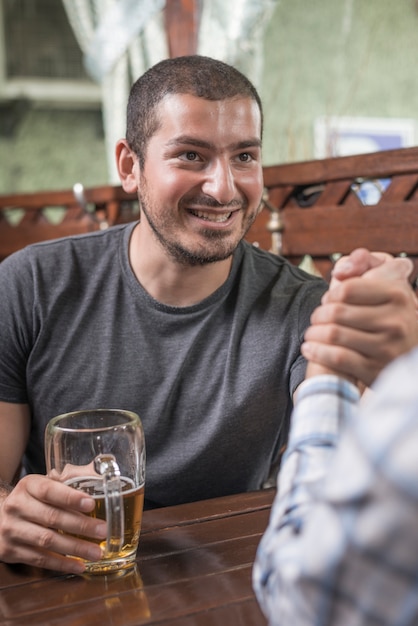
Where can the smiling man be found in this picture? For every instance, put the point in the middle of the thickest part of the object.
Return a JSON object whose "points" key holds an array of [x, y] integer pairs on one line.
{"points": [[207, 159], [200, 190], [175, 317], [201, 182]]}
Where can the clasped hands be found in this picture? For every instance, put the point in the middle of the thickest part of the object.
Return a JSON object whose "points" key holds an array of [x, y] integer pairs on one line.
{"points": [[367, 318]]}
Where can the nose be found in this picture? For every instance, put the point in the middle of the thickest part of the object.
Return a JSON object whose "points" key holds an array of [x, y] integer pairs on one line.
{"points": [[219, 182]]}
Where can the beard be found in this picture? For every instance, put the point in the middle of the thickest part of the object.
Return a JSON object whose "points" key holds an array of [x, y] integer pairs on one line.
{"points": [[218, 245]]}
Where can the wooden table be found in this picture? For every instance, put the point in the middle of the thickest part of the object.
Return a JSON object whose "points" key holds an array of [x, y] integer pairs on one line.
{"points": [[194, 567]]}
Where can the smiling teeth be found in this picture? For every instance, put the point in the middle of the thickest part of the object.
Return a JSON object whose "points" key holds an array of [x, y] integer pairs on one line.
{"points": [[212, 217]]}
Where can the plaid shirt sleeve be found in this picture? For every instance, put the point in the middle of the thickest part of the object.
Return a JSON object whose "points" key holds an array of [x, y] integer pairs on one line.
{"points": [[341, 547]]}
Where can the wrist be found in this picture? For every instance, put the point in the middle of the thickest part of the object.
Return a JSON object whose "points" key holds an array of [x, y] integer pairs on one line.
{"points": [[328, 384], [314, 369]]}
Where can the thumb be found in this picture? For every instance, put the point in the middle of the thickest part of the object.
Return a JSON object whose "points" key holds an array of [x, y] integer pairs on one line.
{"points": [[392, 269], [356, 264]]}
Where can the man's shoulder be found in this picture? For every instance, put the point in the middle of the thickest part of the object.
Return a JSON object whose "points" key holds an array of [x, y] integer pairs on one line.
{"points": [[55, 252], [262, 262]]}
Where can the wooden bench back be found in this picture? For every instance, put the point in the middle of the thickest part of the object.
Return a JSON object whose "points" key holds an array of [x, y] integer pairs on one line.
{"points": [[32, 217], [311, 208], [319, 213]]}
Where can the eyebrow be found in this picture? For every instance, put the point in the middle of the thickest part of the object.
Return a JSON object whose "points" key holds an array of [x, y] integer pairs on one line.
{"points": [[200, 143]]}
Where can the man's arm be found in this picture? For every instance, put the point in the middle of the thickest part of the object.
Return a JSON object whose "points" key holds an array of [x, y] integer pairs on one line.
{"points": [[341, 547], [36, 508], [287, 549], [14, 433]]}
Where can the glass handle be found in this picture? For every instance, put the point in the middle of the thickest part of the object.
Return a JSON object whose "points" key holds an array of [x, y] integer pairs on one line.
{"points": [[107, 467]]}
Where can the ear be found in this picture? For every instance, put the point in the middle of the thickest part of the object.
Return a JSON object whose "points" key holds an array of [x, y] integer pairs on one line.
{"points": [[127, 165]]}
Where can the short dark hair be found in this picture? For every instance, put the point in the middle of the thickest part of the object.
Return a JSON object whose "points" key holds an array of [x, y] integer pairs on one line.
{"points": [[196, 75]]}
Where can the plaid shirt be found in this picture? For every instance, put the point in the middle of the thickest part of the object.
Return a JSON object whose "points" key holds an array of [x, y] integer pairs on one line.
{"points": [[341, 548]]}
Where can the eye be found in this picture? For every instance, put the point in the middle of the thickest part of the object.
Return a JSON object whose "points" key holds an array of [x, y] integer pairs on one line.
{"points": [[190, 156], [245, 157]]}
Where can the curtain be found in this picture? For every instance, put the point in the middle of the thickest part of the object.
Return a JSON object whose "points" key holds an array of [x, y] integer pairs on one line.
{"points": [[120, 39], [233, 32]]}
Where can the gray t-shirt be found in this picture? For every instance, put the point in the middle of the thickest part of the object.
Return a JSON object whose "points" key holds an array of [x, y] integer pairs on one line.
{"points": [[212, 382]]}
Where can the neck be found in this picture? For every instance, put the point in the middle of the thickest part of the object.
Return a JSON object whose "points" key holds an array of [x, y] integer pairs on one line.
{"points": [[168, 281]]}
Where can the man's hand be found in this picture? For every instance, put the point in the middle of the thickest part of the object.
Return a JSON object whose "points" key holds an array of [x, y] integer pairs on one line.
{"points": [[35, 518], [366, 319]]}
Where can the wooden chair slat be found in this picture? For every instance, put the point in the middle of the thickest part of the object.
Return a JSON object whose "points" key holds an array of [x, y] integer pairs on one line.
{"points": [[401, 187]]}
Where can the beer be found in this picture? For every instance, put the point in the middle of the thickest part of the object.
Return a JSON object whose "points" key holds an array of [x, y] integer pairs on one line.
{"points": [[133, 501]]}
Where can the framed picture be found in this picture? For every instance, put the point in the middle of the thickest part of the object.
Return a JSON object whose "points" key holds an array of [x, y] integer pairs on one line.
{"points": [[342, 136]]}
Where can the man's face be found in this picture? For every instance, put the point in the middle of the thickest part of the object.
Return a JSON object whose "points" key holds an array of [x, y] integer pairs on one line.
{"points": [[201, 184]]}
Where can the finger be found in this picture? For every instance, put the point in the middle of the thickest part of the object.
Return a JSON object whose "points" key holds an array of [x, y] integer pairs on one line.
{"points": [[388, 318], [372, 266], [357, 263], [367, 353], [56, 493], [59, 543], [380, 347], [40, 537], [336, 335], [74, 523], [27, 521], [391, 333], [49, 503], [40, 558], [359, 291], [343, 361], [393, 269], [53, 492], [21, 534], [42, 515]]}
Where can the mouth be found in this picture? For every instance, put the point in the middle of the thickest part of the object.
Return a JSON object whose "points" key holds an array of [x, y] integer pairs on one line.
{"points": [[211, 216]]}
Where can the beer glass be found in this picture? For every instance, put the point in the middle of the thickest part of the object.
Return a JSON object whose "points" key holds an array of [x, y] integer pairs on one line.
{"points": [[102, 452]]}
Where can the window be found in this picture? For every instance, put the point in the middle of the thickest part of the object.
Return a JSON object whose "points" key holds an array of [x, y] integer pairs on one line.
{"points": [[40, 58]]}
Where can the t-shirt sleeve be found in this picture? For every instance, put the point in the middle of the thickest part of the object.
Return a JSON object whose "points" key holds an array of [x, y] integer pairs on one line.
{"points": [[17, 305], [310, 299]]}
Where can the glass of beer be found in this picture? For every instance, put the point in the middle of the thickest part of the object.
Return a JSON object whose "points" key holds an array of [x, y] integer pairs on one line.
{"points": [[102, 452]]}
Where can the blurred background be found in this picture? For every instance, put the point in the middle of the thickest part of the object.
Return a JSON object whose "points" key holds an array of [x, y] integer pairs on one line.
{"points": [[336, 76]]}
